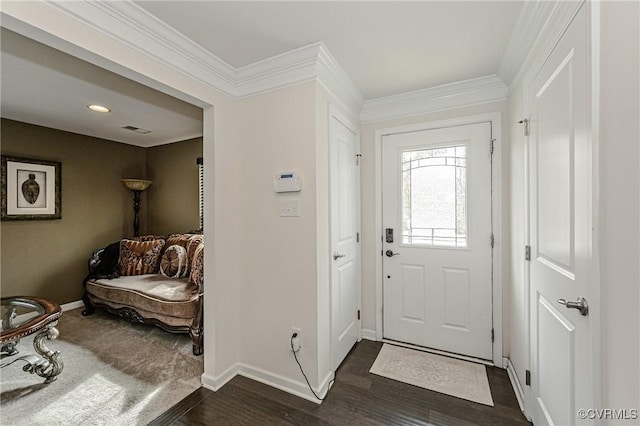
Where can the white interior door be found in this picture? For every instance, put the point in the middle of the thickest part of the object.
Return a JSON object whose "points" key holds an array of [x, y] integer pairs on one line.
{"points": [[560, 230], [344, 145], [437, 289]]}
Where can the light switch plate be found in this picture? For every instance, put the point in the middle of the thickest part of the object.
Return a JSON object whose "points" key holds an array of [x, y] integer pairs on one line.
{"points": [[290, 208]]}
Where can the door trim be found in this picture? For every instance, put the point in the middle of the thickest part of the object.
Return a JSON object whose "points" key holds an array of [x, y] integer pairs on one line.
{"points": [[335, 114], [496, 205]]}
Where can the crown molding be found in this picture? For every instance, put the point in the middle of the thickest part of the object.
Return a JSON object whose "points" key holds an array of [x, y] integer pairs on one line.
{"points": [[538, 27], [137, 29], [338, 82], [292, 67], [453, 95], [141, 31], [530, 22]]}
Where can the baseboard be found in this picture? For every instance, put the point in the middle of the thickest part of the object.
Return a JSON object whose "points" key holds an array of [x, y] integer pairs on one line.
{"points": [[326, 384], [515, 383], [283, 383], [369, 334], [72, 305], [215, 383], [505, 363]]}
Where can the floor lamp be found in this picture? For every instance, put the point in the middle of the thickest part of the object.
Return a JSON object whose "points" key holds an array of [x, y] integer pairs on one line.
{"points": [[137, 186]]}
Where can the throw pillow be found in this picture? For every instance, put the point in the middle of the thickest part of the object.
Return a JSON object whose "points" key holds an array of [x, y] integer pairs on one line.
{"points": [[197, 266], [194, 242], [140, 257], [174, 262], [148, 238]]}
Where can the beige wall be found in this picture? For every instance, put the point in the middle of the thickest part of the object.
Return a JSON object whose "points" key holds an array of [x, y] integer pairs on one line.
{"points": [[278, 288], [172, 199], [96, 208], [48, 258]]}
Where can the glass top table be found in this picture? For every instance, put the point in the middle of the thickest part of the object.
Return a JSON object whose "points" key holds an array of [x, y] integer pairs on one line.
{"points": [[23, 316]]}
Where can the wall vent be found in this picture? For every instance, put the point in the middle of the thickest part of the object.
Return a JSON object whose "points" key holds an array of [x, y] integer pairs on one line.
{"points": [[137, 129]]}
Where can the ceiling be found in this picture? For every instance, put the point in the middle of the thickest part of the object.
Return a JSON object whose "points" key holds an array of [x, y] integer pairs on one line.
{"points": [[46, 87], [386, 48]]}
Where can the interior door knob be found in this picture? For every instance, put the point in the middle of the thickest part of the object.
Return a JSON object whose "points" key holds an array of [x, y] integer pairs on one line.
{"points": [[337, 255], [390, 253], [580, 304]]}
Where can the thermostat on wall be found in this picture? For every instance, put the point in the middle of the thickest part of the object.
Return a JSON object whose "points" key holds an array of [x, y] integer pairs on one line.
{"points": [[286, 182]]}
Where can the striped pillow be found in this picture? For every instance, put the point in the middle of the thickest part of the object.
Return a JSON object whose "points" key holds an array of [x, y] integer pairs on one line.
{"points": [[197, 266], [193, 244], [140, 257]]}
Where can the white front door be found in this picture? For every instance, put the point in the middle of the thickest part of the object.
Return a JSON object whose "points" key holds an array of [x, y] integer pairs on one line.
{"points": [[436, 215], [344, 144], [560, 209]]}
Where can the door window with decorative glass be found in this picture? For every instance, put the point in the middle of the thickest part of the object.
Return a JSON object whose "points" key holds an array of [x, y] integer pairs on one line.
{"points": [[434, 196]]}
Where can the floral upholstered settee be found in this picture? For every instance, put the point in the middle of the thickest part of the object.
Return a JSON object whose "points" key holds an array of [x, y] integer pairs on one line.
{"points": [[153, 280]]}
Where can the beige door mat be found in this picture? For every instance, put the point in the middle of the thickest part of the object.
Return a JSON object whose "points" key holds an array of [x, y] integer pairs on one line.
{"points": [[450, 376]]}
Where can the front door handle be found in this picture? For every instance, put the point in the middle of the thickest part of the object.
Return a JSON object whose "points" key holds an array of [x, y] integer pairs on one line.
{"points": [[390, 253], [337, 255], [580, 304]]}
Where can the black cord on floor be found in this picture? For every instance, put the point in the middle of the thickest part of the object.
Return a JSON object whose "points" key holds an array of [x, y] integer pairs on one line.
{"points": [[305, 376]]}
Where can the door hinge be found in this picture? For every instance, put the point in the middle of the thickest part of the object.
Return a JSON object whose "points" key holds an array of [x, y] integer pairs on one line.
{"points": [[527, 252], [491, 147], [357, 237], [525, 122], [493, 335], [358, 159], [527, 377], [493, 241], [358, 313]]}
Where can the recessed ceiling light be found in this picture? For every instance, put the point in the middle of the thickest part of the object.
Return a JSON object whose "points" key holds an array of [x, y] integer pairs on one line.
{"points": [[98, 108]]}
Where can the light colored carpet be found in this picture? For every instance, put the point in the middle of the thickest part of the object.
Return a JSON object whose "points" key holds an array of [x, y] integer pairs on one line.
{"points": [[115, 373], [442, 374]]}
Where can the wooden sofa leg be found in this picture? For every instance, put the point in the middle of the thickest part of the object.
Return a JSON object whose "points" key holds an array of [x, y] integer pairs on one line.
{"points": [[197, 337], [197, 350], [89, 309], [197, 329]]}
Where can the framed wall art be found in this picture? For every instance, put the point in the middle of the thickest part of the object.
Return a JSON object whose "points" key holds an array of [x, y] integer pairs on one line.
{"points": [[31, 189]]}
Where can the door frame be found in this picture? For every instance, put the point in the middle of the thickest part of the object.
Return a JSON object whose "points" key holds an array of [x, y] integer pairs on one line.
{"points": [[335, 114], [560, 22], [496, 207]]}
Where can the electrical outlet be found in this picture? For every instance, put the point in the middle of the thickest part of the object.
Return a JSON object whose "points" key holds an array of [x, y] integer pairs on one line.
{"points": [[295, 342]]}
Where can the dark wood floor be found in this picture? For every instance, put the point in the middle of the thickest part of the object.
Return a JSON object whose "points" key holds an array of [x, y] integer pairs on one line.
{"points": [[356, 398]]}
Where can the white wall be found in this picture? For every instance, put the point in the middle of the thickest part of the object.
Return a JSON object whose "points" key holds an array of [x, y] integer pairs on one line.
{"points": [[369, 231], [620, 204], [223, 253]]}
